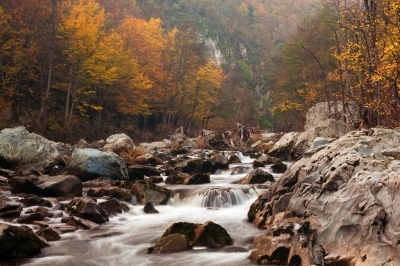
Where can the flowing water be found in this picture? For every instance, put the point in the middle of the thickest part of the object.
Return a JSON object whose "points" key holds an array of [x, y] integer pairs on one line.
{"points": [[125, 238]]}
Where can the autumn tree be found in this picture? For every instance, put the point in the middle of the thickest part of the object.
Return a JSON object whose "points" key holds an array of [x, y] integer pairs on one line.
{"points": [[302, 78]]}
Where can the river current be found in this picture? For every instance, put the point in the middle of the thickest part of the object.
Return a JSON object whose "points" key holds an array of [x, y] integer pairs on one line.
{"points": [[124, 240]]}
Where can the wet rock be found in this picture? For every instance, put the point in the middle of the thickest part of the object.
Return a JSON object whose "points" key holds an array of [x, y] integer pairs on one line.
{"points": [[87, 209], [234, 159], [113, 206], [241, 170], [29, 218], [112, 192], [47, 186], [219, 161], [279, 168], [144, 170], [170, 244], [89, 164], [258, 176], [9, 208], [18, 147], [186, 165], [265, 159], [196, 179], [176, 178], [149, 208], [146, 191], [19, 242], [49, 234], [135, 175], [155, 179], [44, 212], [7, 173], [79, 222], [4, 184], [209, 234]]}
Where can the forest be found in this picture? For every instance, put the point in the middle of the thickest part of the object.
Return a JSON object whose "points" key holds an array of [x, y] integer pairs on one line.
{"points": [[90, 68]]}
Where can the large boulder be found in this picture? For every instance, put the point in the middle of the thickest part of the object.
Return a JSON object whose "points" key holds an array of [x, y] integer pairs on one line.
{"points": [[118, 142], [347, 193], [148, 192], [89, 164], [19, 242], [47, 186], [320, 115], [18, 147]]}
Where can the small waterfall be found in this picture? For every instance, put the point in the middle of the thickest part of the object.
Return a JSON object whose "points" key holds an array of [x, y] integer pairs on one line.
{"points": [[217, 198], [244, 159]]}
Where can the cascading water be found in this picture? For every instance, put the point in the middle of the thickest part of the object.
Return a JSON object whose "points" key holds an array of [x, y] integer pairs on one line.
{"points": [[217, 198], [125, 238]]}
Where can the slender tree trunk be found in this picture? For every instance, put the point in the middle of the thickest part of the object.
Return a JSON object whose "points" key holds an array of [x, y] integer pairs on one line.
{"points": [[49, 75]]}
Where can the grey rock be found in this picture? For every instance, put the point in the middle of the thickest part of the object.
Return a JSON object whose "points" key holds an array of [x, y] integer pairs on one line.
{"points": [[89, 164], [18, 147]]}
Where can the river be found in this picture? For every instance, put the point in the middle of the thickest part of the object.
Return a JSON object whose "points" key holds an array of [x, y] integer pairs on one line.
{"points": [[124, 240]]}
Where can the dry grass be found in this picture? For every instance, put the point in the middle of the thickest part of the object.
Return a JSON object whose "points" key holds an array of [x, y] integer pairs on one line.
{"points": [[135, 156]]}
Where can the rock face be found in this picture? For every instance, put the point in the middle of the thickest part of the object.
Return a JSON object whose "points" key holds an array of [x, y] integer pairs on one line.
{"points": [[47, 186], [19, 242], [89, 164], [347, 193], [18, 147]]}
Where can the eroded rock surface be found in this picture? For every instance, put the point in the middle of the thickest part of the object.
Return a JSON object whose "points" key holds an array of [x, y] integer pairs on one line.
{"points": [[347, 193]]}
